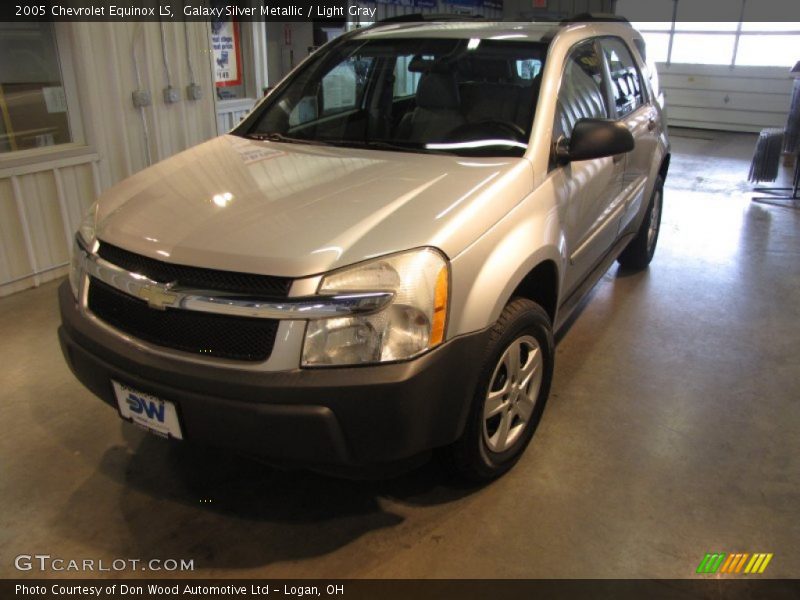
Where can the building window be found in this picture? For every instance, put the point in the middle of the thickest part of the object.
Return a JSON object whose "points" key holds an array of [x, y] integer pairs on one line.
{"points": [[768, 48], [657, 45], [709, 32], [702, 48], [33, 104]]}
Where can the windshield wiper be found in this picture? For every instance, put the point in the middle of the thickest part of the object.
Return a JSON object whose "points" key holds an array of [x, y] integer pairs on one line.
{"points": [[370, 144], [274, 136], [392, 146], [382, 145], [269, 137]]}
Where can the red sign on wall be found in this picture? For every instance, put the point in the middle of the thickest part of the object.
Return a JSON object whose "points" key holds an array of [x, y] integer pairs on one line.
{"points": [[227, 53], [539, 3]]}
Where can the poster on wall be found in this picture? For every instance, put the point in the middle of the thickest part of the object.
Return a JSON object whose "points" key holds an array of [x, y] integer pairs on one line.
{"points": [[227, 53]]}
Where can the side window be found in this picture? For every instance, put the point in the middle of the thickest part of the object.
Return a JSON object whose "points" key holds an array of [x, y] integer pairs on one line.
{"points": [[581, 94], [343, 87], [405, 80], [626, 83]]}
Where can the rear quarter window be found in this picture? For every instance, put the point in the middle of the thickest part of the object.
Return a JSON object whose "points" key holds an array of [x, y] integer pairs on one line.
{"points": [[626, 81]]}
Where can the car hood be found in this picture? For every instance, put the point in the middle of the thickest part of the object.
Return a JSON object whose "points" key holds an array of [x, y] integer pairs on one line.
{"points": [[296, 210]]}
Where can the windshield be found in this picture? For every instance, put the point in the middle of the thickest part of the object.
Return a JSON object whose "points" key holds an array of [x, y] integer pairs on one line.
{"points": [[457, 96]]}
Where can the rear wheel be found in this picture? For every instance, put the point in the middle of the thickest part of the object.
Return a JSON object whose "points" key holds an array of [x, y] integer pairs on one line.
{"points": [[512, 391], [639, 253]]}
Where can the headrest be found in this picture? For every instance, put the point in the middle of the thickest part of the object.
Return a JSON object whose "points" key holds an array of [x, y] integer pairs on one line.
{"points": [[421, 64], [438, 91]]}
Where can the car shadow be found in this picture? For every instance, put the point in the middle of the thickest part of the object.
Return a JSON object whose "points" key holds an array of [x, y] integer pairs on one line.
{"points": [[614, 276], [225, 511], [562, 331]]}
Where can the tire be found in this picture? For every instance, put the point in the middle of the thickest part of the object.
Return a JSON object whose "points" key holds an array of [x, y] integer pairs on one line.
{"points": [[639, 253], [481, 454]]}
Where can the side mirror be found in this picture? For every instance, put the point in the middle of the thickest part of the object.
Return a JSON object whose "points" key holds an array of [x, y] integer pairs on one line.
{"points": [[594, 138]]}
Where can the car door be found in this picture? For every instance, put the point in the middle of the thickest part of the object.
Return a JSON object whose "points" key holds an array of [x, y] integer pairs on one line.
{"points": [[588, 191], [632, 107]]}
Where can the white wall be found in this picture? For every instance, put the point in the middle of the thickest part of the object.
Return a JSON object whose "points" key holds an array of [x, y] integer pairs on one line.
{"points": [[42, 198], [106, 78]]}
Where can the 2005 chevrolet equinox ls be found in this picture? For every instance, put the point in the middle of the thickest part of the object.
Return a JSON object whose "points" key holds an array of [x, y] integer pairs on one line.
{"points": [[373, 263]]}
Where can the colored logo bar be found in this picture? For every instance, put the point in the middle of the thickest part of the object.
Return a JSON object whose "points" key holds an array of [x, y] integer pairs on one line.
{"points": [[741, 563]]}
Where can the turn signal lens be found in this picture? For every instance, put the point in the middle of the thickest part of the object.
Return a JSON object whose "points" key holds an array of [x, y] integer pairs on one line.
{"points": [[439, 308]]}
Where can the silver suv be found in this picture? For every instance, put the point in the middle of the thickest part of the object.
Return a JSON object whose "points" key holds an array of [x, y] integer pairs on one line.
{"points": [[373, 263]]}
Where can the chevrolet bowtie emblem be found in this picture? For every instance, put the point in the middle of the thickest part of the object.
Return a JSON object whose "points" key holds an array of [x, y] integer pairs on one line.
{"points": [[157, 297]]}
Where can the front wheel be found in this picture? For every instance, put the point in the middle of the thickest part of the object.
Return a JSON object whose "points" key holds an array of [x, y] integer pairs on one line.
{"points": [[512, 391], [639, 253]]}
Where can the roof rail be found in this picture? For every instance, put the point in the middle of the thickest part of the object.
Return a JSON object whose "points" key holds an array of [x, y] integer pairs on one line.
{"points": [[434, 17], [430, 17], [596, 17]]}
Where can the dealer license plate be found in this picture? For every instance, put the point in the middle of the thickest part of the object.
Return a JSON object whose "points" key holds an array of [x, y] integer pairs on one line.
{"points": [[154, 414]]}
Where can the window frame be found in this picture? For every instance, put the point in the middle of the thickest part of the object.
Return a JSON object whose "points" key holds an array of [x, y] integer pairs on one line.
{"points": [[251, 48], [611, 105], [608, 79], [78, 145], [554, 139], [604, 74], [253, 41]]}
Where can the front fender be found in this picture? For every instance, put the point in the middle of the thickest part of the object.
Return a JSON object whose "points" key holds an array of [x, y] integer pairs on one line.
{"points": [[486, 274]]}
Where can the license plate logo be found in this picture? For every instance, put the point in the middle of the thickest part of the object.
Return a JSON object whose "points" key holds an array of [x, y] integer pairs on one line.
{"points": [[157, 415]]}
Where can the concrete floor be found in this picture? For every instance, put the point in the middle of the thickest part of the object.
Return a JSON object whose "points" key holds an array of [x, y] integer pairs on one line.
{"points": [[673, 430]]}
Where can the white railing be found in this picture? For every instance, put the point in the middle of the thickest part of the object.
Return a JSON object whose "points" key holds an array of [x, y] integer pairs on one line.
{"points": [[41, 213]]}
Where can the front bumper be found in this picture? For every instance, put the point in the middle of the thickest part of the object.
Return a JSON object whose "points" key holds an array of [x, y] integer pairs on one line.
{"points": [[355, 416]]}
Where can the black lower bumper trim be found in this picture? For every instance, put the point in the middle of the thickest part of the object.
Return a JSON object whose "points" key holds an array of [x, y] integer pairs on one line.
{"points": [[352, 416]]}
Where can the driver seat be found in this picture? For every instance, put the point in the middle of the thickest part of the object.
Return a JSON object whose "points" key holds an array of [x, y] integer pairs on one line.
{"points": [[438, 110]]}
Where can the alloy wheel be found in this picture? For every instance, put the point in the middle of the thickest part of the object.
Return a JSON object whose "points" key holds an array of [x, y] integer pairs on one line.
{"points": [[513, 391]]}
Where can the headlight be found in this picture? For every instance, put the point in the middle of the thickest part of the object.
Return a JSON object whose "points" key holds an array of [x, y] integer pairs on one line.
{"points": [[87, 226], [413, 323], [84, 238], [75, 270]]}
